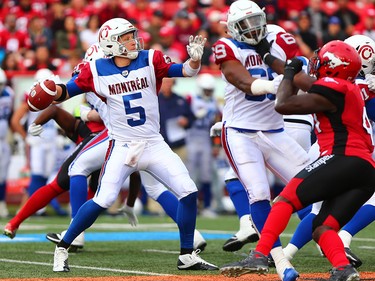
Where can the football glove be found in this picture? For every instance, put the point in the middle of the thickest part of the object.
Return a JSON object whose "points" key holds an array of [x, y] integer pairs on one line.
{"points": [[129, 212], [35, 130], [370, 80], [292, 67], [263, 48], [195, 47], [215, 130]]}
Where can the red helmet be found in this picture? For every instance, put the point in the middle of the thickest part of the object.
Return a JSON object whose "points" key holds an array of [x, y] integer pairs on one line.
{"points": [[336, 59]]}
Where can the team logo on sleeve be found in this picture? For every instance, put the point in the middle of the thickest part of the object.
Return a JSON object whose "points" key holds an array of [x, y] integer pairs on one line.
{"points": [[167, 59]]}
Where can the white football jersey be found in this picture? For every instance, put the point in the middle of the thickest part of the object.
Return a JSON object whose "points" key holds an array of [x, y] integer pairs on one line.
{"points": [[6, 108], [242, 110], [130, 93]]}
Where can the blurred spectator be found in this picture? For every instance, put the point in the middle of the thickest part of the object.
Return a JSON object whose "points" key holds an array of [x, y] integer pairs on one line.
{"points": [[156, 23], [141, 11], [56, 17], [40, 34], [334, 31], [215, 31], [11, 62], [12, 39], [197, 17], [271, 10], [367, 24], [80, 11], [26, 10], [200, 151], [112, 9], [175, 117], [307, 41], [318, 18], [67, 40], [146, 39], [216, 6], [348, 18], [89, 35], [66, 67], [184, 28], [289, 10], [169, 46], [42, 59]]}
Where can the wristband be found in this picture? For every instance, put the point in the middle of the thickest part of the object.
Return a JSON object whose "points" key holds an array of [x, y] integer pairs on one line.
{"points": [[269, 59], [63, 94], [289, 74], [189, 70]]}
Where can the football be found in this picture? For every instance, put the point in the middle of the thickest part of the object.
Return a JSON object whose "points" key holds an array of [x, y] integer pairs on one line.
{"points": [[42, 95]]}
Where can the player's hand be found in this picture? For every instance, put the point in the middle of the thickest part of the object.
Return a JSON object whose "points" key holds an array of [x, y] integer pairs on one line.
{"points": [[129, 212], [263, 48], [215, 130], [35, 130], [195, 47], [292, 67], [370, 80]]}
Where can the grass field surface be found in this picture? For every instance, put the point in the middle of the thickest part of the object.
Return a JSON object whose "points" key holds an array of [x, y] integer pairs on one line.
{"points": [[115, 249]]}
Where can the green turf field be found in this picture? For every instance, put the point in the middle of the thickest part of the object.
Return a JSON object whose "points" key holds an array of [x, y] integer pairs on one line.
{"points": [[121, 258]]}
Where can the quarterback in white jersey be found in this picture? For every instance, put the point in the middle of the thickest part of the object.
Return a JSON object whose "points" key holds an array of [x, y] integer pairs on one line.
{"points": [[129, 80], [253, 134]]}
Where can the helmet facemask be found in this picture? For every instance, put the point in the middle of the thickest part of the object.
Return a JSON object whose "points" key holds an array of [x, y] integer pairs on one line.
{"points": [[124, 52], [250, 29]]}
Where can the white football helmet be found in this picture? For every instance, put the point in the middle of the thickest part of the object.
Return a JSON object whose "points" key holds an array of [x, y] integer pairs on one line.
{"points": [[94, 52], [110, 41], [43, 74], [365, 47], [246, 22], [3, 80], [206, 81]]}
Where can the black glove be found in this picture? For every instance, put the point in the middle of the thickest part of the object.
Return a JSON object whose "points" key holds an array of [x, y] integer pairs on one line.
{"points": [[263, 48], [292, 67]]}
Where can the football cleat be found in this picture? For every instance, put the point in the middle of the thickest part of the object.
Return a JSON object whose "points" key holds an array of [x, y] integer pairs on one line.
{"points": [[199, 242], [256, 262], [76, 244], [60, 260], [10, 230], [194, 262], [353, 259], [344, 273], [290, 274], [246, 234]]}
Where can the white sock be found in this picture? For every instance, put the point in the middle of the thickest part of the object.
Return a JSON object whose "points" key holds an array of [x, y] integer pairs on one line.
{"points": [[281, 262], [289, 251], [346, 238]]}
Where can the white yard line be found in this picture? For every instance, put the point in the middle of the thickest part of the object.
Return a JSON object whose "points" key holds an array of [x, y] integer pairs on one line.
{"points": [[88, 267]]}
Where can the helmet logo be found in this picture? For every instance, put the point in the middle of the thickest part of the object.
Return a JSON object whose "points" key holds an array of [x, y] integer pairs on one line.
{"points": [[104, 32], [366, 52], [334, 61]]}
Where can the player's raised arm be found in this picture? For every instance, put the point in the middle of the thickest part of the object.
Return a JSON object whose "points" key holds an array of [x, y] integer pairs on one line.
{"points": [[195, 50]]}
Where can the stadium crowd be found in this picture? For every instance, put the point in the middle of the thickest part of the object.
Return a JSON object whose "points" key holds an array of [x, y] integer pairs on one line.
{"points": [[37, 34]]}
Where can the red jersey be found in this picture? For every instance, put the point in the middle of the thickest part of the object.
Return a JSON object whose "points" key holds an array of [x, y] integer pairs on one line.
{"points": [[348, 130]]}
